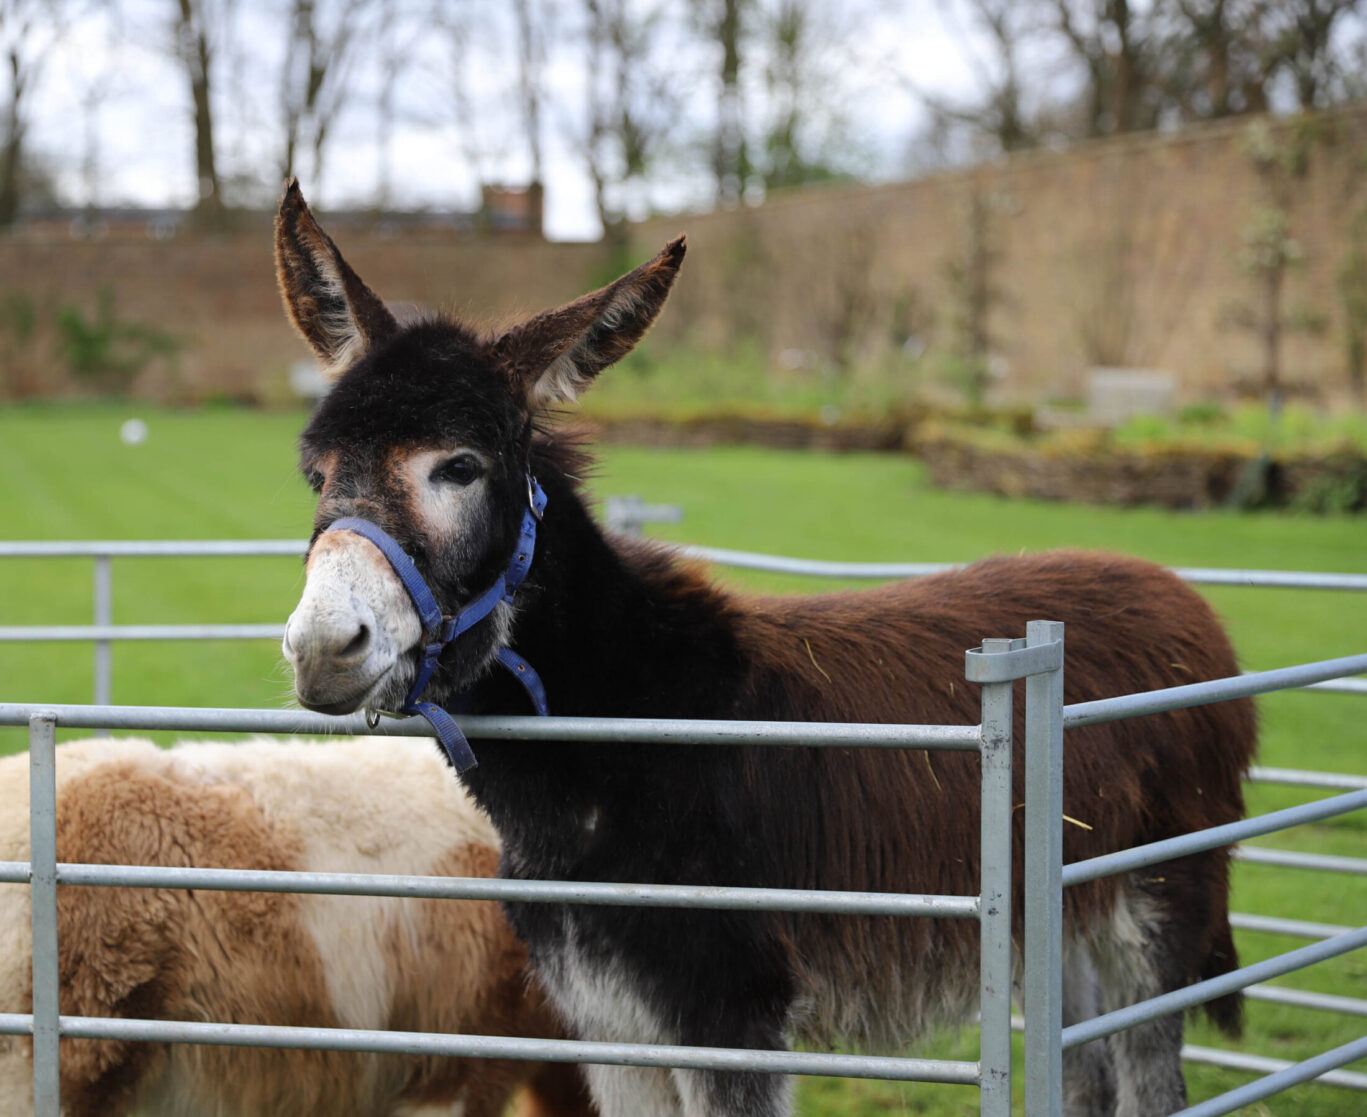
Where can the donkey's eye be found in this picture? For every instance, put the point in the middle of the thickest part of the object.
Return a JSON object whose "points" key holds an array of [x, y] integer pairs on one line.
{"points": [[463, 469], [315, 480]]}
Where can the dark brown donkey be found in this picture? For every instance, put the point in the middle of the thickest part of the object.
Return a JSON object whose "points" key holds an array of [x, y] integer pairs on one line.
{"points": [[431, 432]]}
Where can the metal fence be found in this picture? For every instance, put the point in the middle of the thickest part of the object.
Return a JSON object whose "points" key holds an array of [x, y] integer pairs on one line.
{"points": [[1037, 658], [103, 632]]}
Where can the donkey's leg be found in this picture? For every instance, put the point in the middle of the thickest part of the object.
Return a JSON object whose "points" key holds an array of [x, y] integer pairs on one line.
{"points": [[749, 1008], [1088, 1071], [600, 998], [726, 1093], [1136, 961], [728, 984]]}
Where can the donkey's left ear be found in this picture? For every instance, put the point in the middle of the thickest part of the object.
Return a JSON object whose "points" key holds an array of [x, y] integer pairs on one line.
{"points": [[553, 357], [338, 315]]}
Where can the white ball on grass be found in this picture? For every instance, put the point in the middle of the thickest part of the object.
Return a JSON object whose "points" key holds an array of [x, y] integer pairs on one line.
{"points": [[133, 432]]}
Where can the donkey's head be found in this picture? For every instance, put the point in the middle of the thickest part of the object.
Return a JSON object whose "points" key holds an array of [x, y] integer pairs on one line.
{"points": [[427, 433]]}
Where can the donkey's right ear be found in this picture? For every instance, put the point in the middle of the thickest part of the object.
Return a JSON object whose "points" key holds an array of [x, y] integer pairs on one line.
{"points": [[337, 314]]}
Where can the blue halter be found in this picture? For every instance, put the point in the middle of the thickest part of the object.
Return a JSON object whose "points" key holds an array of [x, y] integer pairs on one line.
{"points": [[440, 630]]}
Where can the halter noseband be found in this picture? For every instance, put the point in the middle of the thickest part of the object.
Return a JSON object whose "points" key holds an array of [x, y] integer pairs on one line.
{"points": [[440, 630]]}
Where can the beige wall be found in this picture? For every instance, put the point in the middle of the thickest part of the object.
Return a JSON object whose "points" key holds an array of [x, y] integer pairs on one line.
{"points": [[218, 295], [1117, 252]]}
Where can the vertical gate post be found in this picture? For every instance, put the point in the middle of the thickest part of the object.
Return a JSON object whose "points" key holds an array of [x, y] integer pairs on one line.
{"points": [[995, 917], [104, 614], [1044, 880], [42, 738]]}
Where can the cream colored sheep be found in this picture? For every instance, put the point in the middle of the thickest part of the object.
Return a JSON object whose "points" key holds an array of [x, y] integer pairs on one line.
{"points": [[366, 805]]}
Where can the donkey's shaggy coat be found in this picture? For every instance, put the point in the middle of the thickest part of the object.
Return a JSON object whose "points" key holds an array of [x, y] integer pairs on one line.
{"points": [[430, 432]]}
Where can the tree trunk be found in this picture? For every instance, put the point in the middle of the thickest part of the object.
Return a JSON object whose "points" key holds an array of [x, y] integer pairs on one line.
{"points": [[195, 54], [530, 62], [1272, 338], [728, 155], [1126, 77], [1217, 51], [12, 155]]}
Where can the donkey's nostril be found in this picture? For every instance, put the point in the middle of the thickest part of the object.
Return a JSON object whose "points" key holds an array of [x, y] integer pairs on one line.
{"points": [[358, 644]]}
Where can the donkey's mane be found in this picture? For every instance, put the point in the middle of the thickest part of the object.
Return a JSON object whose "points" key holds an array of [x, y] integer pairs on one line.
{"points": [[561, 446]]}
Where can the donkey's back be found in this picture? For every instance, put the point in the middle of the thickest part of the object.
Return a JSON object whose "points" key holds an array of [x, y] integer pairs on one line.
{"points": [[908, 820]]}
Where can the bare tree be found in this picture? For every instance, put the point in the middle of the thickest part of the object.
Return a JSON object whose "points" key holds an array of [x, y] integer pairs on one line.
{"points": [[1352, 293], [314, 79], [462, 28], [195, 48], [28, 30], [973, 295], [1228, 61], [725, 24], [811, 70], [534, 27], [1301, 32], [95, 87], [1001, 114], [1115, 41], [1142, 64], [1280, 156], [629, 106], [389, 60], [788, 40], [391, 42]]}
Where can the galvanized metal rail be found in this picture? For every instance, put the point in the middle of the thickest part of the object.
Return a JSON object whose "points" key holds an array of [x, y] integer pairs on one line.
{"points": [[1046, 878], [997, 665], [1038, 657], [630, 515]]}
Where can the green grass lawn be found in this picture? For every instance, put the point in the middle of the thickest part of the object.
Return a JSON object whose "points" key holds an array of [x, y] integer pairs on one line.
{"points": [[64, 474]]}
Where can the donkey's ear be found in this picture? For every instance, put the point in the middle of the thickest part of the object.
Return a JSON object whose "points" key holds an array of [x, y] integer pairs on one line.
{"points": [[337, 314], [554, 356]]}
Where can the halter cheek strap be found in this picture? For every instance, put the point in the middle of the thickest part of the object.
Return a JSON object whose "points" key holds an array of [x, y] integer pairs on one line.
{"points": [[440, 630]]}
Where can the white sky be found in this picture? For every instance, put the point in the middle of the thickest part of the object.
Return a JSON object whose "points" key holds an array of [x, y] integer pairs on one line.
{"points": [[110, 96], [143, 149]]}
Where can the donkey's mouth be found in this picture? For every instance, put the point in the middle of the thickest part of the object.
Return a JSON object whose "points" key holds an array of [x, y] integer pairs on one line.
{"points": [[334, 709], [325, 699]]}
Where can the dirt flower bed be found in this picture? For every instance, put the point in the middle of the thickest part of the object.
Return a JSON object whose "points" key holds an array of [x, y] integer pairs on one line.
{"points": [[1179, 477], [795, 433]]}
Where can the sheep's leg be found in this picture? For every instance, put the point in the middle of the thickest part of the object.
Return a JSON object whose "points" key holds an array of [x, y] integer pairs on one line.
{"points": [[556, 1090], [1088, 1071]]}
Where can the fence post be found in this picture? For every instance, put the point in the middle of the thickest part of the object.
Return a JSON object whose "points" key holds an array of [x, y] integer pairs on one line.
{"points": [[1044, 880], [995, 1002], [104, 614], [42, 762]]}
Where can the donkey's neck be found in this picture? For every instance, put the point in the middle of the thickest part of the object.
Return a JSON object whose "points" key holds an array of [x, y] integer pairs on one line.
{"points": [[619, 627], [615, 629]]}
